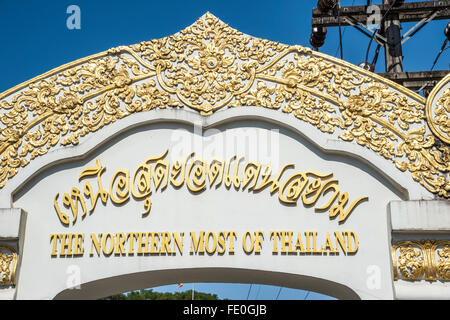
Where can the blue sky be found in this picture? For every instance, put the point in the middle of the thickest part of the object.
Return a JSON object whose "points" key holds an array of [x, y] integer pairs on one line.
{"points": [[35, 39], [235, 291]]}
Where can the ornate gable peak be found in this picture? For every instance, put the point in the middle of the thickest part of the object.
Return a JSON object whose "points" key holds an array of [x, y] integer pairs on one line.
{"points": [[209, 64]]}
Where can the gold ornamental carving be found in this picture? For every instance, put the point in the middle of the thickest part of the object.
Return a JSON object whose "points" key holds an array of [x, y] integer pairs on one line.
{"points": [[438, 113], [8, 263], [418, 260], [210, 66]]}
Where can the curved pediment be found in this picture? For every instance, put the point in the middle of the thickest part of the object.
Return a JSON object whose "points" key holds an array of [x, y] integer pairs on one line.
{"points": [[209, 67]]}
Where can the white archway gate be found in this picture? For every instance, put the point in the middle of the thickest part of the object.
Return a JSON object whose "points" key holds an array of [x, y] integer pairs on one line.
{"points": [[214, 156]]}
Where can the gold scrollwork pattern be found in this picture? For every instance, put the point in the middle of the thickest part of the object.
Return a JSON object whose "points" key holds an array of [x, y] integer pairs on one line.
{"points": [[443, 262], [8, 263], [418, 260], [210, 66]]}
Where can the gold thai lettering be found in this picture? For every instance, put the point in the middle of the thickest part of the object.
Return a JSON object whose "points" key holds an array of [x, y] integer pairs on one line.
{"points": [[339, 208], [275, 182], [197, 169], [96, 171], [313, 188], [228, 179], [121, 192], [331, 184], [251, 173], [178, 169], [64, 218], [142, 178], [293, 187], [161, 174], [216, 171], [236, 178], [143, 182]]}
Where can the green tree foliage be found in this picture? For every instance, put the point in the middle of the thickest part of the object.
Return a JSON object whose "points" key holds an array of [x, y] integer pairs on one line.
{"points": [[149, 294]]}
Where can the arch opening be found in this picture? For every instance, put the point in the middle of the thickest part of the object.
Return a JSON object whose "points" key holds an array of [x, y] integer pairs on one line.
{"points": [[135, 281]]}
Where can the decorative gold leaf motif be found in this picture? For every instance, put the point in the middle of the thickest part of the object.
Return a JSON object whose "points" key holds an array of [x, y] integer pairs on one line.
{"points": [[8, 262], [443, 263], [411, 263], [418, 260], [210, 66], [442, 112]]}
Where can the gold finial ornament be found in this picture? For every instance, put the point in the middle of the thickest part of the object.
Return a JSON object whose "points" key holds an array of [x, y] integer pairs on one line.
{"points": [[210, 66]]}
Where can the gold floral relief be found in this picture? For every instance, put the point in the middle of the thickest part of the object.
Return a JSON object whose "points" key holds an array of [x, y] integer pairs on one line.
{"points": [[442, 112], [410, 262], [443, 262], [210, 66], [421, 260], [438, 113], [8, 263]]}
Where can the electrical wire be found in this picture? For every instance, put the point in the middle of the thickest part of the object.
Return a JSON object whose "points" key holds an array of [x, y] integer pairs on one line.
{"points": [[375, 58], [257, 293], [279, 291], [340, 32], [343, 34], [443, 48], [250, 289]]}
